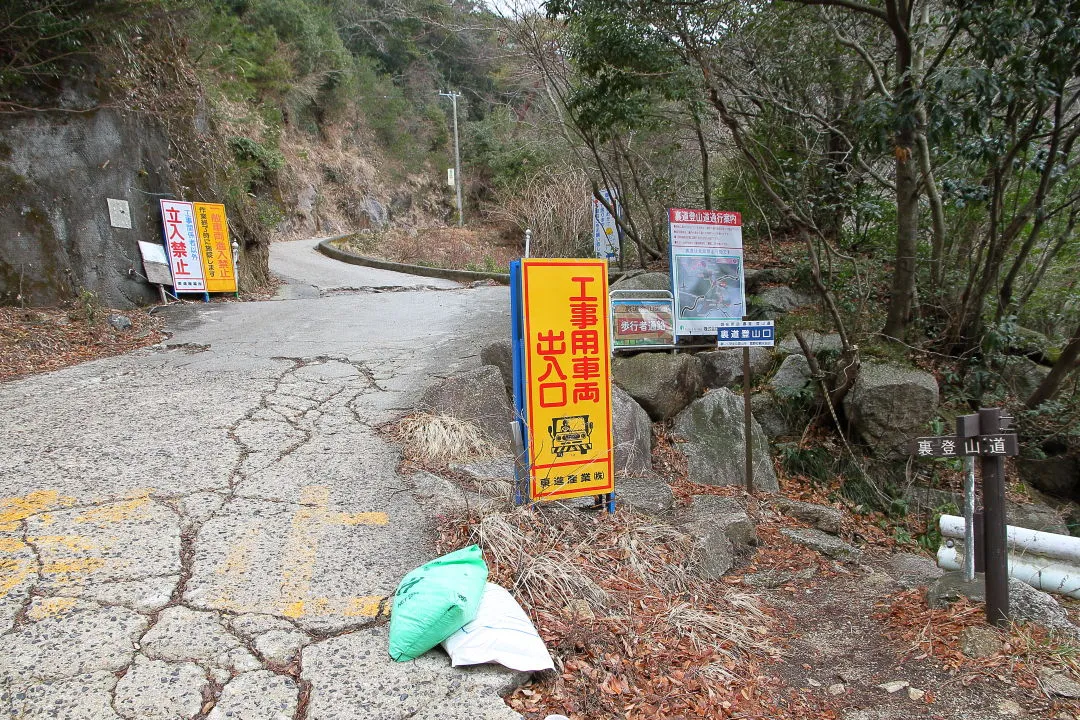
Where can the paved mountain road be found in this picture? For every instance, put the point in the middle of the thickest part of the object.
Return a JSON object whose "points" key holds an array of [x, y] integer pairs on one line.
{"points": [[208, 528]]}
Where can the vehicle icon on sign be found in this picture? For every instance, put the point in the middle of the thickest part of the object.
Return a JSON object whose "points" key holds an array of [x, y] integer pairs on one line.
{"points": [[570, 433]]}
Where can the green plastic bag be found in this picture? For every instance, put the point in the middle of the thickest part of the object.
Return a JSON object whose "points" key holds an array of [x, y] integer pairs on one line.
{"points": [[433, 601]]}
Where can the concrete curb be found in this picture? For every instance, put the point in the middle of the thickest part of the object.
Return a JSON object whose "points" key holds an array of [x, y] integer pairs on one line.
{"points": [[456, 275]]}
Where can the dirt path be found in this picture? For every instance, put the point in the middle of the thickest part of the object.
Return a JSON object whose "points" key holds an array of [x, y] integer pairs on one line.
{"points": [[840, 647]]}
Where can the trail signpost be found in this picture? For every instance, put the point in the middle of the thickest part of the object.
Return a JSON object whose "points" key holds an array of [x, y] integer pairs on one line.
{"points": [[746, 334], [983, 435]]}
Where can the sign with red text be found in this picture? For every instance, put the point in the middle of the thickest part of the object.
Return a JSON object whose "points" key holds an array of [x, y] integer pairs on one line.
{"points": [[706, 269], [642, 322], [567, 378], [182, 246], [217, 260]]}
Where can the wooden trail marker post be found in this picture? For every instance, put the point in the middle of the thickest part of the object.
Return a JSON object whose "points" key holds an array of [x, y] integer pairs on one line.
{"points": [[983, 435]]}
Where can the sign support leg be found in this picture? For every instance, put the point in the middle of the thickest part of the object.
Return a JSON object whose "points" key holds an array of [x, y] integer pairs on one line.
{"points": [[993, 481], [748, 420], [969, 518], [517, 353]]}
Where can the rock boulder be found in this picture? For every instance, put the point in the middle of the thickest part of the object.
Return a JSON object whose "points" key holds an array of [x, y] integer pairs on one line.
{"points": [[662, 384], [1025, 602], [714, 442], [775, 301], [819, 343], [632, 433], [890, 404], [1022, 375], [792, 378], [1058, 476], [477, 396], [724, 368], [770, 414], [645, 281], [822, 517], [1028, 603], [726, 515], [500, 355], [647, 494], [824, 543]]}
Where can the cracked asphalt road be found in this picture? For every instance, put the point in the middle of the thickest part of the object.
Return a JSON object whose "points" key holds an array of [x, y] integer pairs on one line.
{"points": [[209, 528]]}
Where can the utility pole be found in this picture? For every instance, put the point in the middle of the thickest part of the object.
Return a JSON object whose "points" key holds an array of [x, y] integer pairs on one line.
{"points": [[457, 158]]}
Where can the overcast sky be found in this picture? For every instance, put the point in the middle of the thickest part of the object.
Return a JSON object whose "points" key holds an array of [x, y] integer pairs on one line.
{"points": [[507, 7]]}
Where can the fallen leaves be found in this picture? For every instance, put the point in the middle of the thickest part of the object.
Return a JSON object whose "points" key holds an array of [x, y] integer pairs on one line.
{"points": [[933, 634], [44, 339]]}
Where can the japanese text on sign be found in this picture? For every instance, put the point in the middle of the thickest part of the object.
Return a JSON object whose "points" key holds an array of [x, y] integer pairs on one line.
{"points": [[1002, 444], [567, 367], [605, 229], [749, 333], [217, 260], [711, 217], [182, 246], [637, 322], [706, 269]]}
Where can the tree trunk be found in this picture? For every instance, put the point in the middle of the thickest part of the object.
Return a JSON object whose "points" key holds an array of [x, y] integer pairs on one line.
{"points": [[898, 18], [907, 234], [703, 148], [1065, 365]]}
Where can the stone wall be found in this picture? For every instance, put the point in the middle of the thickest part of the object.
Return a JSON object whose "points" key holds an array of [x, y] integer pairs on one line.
{"points": [[56, 171]]}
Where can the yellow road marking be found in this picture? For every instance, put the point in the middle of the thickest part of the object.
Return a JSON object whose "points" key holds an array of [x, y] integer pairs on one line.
{"points": [[75, 543], [298, 563], [10, 545], [306, 529], [13, 572], [50, 607], [14, 510], [364, 518], [117, 512]]}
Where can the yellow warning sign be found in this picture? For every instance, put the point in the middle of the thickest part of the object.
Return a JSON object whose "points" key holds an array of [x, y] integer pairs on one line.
{"points": [[568, 377], [217, 260]]}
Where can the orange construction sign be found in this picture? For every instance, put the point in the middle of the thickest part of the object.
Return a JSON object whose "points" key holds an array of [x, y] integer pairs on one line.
{"points": [[567, 378], [217, 260]]}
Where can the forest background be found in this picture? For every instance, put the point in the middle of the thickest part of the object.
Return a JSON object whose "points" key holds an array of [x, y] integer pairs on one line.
{"points": [[914, 164]]}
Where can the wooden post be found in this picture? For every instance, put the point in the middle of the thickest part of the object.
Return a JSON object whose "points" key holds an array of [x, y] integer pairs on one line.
{"points": [[993, 491], [748, 419]]}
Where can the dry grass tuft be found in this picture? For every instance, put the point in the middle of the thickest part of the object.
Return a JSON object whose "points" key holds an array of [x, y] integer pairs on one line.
{"points": [[742, 629], [647, 550], [439, 439], [544, 575]]}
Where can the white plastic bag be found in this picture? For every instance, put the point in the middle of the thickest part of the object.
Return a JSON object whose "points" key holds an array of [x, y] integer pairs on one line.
{"points": [[501, 633]]}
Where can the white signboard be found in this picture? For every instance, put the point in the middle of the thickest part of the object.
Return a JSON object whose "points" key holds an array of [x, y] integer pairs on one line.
{"points": [[119, 213], [605, 231], [155, 263], [746, 333], [706, 269], [450, 177], [182, 245]]}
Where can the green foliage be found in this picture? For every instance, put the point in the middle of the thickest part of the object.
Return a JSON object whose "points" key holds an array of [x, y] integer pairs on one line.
{"points": [[506, 154], [44, 43], [930, 538], [87, 307], [822, 466]]}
